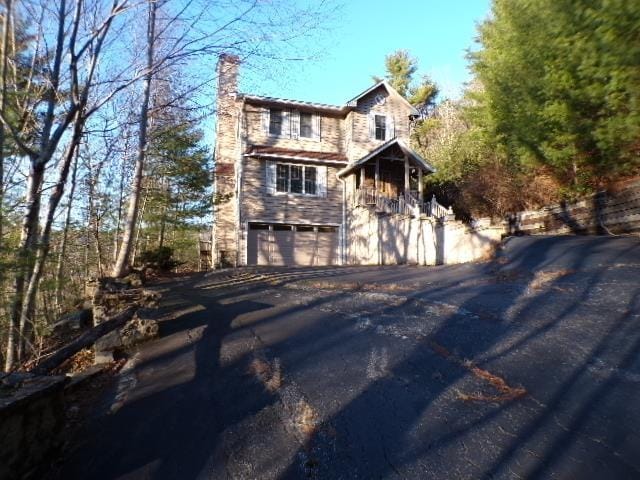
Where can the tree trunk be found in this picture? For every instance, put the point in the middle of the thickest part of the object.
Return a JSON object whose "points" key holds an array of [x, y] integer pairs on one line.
{"points": [[25, 260], [94, 217], [85, 340], [28, 306], [116, 236], [3, 107], [65, 236], [122, 263], [136, 243]]}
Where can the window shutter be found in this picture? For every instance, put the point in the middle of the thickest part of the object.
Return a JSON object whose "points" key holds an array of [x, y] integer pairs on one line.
{"points": [[322, 181], [390, 127], [271, 177], [286, 123], [316, 126], [265, 120], [295, 123], [372, 126]]}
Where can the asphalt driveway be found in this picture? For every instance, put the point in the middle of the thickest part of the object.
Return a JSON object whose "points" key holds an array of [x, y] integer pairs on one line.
{"points": [[524, 367]]}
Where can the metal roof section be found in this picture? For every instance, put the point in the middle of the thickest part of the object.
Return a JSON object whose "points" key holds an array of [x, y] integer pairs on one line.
{"points": [[325, 107], [408, 151], [266, 151], [296, 103]]}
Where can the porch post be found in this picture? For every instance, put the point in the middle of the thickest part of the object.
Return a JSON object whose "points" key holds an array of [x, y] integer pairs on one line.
{"points": [[406, 175], [362, 177], [420, 197], [377, 179]]}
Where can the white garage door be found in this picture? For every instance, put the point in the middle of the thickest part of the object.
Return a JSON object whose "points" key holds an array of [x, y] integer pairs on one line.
{"points": [[294, 245]]}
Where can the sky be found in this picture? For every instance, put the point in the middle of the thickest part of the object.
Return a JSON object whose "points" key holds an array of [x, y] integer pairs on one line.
{"points": [[436, 32]]}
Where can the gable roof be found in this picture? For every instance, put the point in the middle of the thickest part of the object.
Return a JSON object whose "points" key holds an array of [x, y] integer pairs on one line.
{"points": [[390, 90], [408, 151], [337, 109]]}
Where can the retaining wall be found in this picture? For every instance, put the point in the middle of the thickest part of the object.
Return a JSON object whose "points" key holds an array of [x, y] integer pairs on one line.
{"points": [[376, 238], [601, 213], [31, 417]]}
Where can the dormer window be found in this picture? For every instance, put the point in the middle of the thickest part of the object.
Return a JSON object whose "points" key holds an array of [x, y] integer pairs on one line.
{"points": [[381, 127]]}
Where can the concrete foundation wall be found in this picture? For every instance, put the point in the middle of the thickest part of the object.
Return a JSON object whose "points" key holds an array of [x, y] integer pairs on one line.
{"points": [[381, 239]]}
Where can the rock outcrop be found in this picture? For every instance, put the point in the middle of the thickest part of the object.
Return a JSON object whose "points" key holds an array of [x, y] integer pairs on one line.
{"points": [[110, 296]]}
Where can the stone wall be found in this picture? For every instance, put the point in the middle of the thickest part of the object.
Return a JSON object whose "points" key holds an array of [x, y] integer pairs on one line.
{"points": [[602, 213], [382, 239], [31, 417]]}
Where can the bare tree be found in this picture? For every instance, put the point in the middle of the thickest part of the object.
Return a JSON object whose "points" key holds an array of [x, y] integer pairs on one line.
{"points": [[32, 254], [65, 237], [122, 262], [4, 45]]}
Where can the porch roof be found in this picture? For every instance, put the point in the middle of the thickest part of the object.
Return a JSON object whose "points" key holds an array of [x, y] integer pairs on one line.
{"points": [[408, 151]]}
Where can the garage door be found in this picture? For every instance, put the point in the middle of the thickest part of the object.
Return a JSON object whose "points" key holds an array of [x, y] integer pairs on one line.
{"points": [[295, 245]]}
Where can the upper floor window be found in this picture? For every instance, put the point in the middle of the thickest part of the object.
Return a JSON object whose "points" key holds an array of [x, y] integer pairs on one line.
{"points": [[381, 127], [287, 123], [306, 124], [275, 121]]}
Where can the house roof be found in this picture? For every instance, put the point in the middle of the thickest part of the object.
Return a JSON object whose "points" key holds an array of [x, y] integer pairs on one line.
{"points": [[300, 155], [390, 90], [339, 109], [408, 151]]}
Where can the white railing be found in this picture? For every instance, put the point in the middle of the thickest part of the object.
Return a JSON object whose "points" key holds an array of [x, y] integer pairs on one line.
{"points": [[433, 209], [405, 204]]}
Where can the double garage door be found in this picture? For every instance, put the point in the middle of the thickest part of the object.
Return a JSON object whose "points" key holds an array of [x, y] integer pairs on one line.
{"points": [[295, 245]]}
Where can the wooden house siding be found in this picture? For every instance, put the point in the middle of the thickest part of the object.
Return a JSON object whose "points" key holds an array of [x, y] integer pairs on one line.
{"points": [[361, 143], [258, 205], [331, 133]]}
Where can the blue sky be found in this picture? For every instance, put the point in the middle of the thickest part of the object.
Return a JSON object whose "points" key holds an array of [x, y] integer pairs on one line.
{"points": [[436, 32]]}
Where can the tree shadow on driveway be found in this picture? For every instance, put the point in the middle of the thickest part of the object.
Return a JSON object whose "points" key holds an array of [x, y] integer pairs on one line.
{"points": [[581, 386], [175, 404]]}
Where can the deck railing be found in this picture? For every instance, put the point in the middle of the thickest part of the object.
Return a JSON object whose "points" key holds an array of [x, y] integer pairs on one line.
{"points": [[405, 204]]}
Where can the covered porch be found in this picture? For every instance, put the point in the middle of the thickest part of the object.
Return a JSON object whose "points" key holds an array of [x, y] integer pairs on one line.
{"points": [[390, 178]]}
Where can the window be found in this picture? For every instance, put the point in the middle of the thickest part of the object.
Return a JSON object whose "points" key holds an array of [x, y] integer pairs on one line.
{"points": [[306, 124], [290, 123], [296, 179], [310, 180], [275, 121], [282, 179], [380, 127]]}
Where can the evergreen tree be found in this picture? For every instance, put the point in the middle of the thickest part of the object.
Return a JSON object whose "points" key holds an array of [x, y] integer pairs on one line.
{"points": [[562, 87], [401, 68]]}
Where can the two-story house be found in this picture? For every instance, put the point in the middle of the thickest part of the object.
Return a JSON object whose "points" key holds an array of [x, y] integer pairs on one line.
{"points": [[288, 172]]}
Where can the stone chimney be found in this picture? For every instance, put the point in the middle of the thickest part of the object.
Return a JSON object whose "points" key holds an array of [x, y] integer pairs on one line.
{"points": [[227, 154]]}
